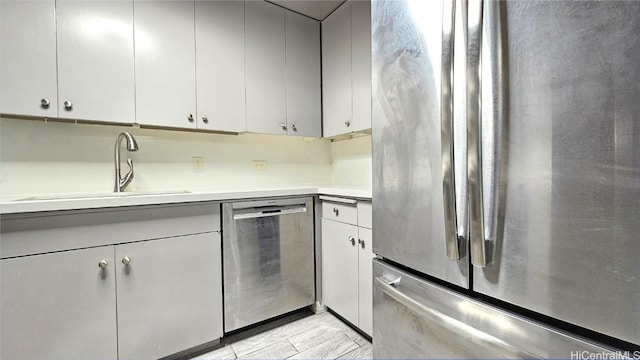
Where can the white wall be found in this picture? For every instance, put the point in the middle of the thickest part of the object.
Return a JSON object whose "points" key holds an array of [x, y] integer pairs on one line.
{"points": [[41, 158], [351, 163]]}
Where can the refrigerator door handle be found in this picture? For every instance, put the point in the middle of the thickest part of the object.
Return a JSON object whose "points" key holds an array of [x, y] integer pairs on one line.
{"points": [[446, 132], [479, 248], [474, 335]]}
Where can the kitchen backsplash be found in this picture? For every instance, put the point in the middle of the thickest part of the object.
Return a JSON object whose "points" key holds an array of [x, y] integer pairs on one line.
{"points": [[42, 158], [351, 163]]}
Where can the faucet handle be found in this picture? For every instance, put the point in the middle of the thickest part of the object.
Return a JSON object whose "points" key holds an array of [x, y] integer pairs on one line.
{"points": [[130, 173], [128, 177]]}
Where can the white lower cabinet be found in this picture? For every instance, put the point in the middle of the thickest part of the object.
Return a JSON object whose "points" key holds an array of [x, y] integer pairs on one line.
{"points": [[132, 299], [59, 306], [347, 274], [169, 295], [340, 269]]}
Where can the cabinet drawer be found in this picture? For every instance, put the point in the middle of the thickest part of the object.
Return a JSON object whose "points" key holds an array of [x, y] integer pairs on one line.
{"points": [[45, 232], [346, 213], [365, 215]]}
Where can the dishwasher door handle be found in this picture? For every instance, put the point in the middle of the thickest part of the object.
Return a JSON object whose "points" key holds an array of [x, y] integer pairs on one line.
{"points": [[258, 213]]}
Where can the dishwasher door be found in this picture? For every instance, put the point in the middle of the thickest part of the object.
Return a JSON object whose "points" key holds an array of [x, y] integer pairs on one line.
{"points": [[268, 259]]}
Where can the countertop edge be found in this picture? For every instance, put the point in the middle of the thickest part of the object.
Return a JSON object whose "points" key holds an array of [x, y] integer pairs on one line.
{"points": [[8, 207]]}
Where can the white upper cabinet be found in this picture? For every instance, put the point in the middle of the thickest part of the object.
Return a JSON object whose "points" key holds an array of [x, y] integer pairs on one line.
{"points": [[265, 68], [346, 71], [165, 63], [336, 72], [303, 76], [95, 60], [228, 65], [361, 65], [28, 58], [220, 65]]}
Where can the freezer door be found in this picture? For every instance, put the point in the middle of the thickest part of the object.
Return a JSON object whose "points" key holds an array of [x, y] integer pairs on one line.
{"points": [[408, 154], [414, 318], [562, 202]]}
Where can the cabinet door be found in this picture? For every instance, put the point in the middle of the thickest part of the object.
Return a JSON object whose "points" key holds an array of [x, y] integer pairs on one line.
{"points": [[265, 68], [365, 281], [340, 269], [336, 72], [95, 60], [59, 306], [165, 63], [28, 58], [361, 65], [220, 65], [169, 295], [303, 76]]}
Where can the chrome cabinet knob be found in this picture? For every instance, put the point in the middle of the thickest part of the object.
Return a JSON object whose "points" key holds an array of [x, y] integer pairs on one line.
{"points": [[126, 260], [293, 127], [283, 126], [190, 117], [361, 242], [347, 123], [205, 119], [68, 105], [353, 240], [103, 264], [336, 211], [44, 102]]}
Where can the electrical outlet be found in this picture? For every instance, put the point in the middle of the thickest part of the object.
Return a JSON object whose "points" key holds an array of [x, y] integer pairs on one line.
{"points": [[197, 162], [259, 165]]}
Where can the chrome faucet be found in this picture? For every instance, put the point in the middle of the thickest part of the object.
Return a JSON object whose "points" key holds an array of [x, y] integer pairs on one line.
{"points": [[132, 145]]}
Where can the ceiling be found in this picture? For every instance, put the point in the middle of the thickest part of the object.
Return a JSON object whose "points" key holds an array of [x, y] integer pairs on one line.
{"points": [[317, 9]]}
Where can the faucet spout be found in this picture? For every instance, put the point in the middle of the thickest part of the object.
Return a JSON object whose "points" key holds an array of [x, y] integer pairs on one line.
{"points": [[122, 182]]}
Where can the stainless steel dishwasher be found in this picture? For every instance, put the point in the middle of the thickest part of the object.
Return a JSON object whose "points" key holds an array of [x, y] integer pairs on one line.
{"points": [[268, 258]]}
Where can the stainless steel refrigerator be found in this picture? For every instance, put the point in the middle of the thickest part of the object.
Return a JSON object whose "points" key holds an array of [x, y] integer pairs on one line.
{"points": [[506, 178]]}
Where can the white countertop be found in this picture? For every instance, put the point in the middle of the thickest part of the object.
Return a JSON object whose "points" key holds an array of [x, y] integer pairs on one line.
{"points": [[56, 202]]}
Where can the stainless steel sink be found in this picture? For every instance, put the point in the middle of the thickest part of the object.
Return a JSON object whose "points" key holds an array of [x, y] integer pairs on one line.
{"points": [[101, 195]]}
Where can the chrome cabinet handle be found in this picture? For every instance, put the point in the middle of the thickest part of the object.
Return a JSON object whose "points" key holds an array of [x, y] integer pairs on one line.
{"points": [[126, 260], [479, 256], [190, 117], [446, 132], [44, 102], [68, 105], [347, 123], [336, 211], [205, 119], [283, 126], [361, 242], [103, 264], [353, 240], [293, 127]]}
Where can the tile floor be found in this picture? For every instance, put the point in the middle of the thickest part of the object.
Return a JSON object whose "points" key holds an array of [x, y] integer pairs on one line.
{"points": [[319, 336]]}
